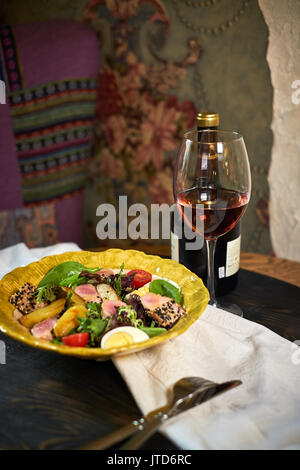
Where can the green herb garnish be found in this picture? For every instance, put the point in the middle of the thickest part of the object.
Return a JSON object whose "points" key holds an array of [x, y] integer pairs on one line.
{"points": [[45, 293], [94, 326], [94, 309], [166, 289], [130, 315], [117, 285], [152, 331], [57, 341]]}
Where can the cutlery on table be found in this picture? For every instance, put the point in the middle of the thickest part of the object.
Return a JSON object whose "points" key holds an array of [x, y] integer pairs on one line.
{"points": [[187, 393]]}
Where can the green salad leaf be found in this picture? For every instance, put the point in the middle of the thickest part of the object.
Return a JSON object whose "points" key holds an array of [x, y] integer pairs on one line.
{"points": [[94, 326], [46, 293], [165, 288], [61, 272], [117, 285], [152, 331], [94, 309], [65, 274]]}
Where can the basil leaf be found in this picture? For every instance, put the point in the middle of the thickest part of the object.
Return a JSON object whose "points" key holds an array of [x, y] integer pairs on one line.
{"points": [[166, 289], [152, 331]]}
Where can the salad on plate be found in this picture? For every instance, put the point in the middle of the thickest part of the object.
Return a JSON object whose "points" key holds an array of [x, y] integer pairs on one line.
{"points": [[98, 307]]}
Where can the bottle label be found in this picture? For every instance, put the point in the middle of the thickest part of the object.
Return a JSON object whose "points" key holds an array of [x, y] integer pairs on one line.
{"points": [[174, 247], [221, 272], [233, 256]]}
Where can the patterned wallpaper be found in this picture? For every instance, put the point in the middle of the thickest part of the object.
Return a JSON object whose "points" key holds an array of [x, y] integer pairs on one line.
{"points": [[161, 62]]}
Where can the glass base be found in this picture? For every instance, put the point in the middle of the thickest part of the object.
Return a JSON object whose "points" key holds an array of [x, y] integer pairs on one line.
{"points": [[231, 308]]}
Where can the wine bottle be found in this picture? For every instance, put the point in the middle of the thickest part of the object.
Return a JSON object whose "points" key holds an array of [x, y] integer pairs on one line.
{"points": [[227, 254]]}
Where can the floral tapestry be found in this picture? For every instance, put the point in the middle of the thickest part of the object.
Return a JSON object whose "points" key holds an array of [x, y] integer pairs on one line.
{"points": [[147, 98], [140, 121]]}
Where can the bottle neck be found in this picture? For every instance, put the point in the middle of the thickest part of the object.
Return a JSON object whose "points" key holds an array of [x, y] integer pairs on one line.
{"points": [[207, 128], [208, 172]]}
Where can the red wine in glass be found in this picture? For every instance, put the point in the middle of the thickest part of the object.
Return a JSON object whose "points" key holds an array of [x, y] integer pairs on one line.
{"points": [[212, 180], [214, 210]]}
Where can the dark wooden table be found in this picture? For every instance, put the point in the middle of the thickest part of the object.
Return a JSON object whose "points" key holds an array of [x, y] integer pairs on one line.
{"points": [[48, 401]]}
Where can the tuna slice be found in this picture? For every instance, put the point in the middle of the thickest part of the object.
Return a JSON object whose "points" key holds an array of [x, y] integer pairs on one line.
{"points": [[88, 293], [43, 329], [107, 272], [163, 310], [109, 307]]}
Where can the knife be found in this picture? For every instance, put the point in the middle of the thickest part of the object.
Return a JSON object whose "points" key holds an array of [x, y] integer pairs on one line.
{"points": [[205, 393], [144, 427]]}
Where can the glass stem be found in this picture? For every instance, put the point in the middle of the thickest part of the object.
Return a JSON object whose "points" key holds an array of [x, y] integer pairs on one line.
{"points": [[211, 247]]}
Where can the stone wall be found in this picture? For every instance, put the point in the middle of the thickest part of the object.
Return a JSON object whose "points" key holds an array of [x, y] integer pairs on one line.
{"points": [[283, 20]]}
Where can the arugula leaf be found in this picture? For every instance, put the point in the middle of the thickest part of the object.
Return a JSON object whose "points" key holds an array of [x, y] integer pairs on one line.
{"points": [[152, 331], [117, 285], [45, 293], [94, 309], [165, 288]]}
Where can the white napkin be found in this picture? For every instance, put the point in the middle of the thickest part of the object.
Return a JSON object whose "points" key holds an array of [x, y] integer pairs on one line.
{"points": [[262, 413], [20, 255]]}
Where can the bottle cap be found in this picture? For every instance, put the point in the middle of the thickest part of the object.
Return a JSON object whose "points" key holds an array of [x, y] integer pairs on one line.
{"points": [[208, 119]]}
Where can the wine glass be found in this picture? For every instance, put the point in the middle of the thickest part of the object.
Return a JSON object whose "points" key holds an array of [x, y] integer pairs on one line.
{"points": [[212, 185]]}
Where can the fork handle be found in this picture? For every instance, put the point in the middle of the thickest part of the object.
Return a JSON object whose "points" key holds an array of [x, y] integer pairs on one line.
{"points": [[144, 432], [113, 437]]}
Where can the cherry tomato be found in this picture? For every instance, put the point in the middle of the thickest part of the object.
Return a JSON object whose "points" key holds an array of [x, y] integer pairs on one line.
{"points": [[77, 340], [140, 278]]}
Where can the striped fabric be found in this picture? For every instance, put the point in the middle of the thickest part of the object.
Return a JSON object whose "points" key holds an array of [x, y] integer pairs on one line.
{"points": [[10, 69], [53, 132]]}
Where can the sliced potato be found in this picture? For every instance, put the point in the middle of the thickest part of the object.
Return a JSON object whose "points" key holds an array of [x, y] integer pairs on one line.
{"points": [[41, 314], [141, 291], [107, 292], [68, 320], [76, 299]]}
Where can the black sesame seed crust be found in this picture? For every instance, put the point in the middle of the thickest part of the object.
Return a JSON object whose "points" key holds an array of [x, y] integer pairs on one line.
{"points": [[167, 315], [24, 299]]}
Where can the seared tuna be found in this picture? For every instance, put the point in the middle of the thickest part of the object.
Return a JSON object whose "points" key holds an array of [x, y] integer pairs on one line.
{"points": [[24, 299], [88, 293], [44, 328], [110, 307], [163, 310]]}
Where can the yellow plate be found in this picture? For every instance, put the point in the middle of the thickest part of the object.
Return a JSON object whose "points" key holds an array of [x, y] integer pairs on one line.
{"points": [[195, 294]]}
